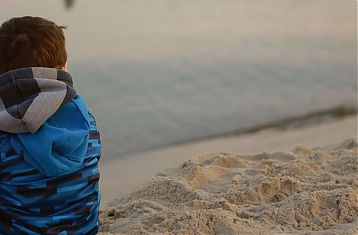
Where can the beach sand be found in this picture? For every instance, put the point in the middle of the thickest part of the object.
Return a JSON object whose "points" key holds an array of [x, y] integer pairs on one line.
{"points": [[274, 186]]}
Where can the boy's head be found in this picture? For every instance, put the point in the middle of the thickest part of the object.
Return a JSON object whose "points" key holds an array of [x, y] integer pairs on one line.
{"points": [[31, 42]]}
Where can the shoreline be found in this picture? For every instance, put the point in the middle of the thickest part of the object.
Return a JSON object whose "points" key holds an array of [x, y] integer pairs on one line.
{"points": [[123, 175], [291, 122]]}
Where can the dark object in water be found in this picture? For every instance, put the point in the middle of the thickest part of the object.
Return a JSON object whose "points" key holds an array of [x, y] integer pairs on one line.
{"points": [[69, 3]]}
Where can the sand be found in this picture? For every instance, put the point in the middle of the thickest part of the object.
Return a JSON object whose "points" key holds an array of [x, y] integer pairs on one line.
{"points": [[124, 174], [302, 191]]}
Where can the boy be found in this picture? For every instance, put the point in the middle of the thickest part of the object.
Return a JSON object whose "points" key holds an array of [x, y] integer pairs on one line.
{"points": [[49, 143]]}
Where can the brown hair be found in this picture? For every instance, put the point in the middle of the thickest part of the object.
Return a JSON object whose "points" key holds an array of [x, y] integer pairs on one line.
{"points": [[31, 42]]}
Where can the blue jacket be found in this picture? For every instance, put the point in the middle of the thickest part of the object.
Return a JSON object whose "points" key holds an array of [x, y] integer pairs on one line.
{"points": [[49, 178]]}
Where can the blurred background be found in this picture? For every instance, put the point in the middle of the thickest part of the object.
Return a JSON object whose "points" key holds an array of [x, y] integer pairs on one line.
{"points": [[163, 72]]}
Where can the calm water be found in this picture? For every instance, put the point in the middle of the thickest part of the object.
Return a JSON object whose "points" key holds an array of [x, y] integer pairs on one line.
{"points": [[160, 72]]}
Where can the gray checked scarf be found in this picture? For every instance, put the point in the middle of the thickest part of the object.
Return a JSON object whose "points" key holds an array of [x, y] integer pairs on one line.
{"points": [[29, 96]]}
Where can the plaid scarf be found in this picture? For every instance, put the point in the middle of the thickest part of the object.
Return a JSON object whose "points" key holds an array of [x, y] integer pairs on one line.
{"points": [[29, 96]]}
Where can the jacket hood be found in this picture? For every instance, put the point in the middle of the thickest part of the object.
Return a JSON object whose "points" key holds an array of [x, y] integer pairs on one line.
{"points": [[29, 96], [60, 144], [44, 120]]}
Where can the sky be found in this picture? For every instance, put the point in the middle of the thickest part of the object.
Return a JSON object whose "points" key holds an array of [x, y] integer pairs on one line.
{"points": [[161, 29]]}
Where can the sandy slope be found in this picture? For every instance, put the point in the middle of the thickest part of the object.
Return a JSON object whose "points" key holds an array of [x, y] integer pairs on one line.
{"points": [[299, 191], [122, 175]]}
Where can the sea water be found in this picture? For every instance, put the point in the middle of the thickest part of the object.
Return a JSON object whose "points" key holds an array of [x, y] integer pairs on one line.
{"points": [[160, 72]]}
